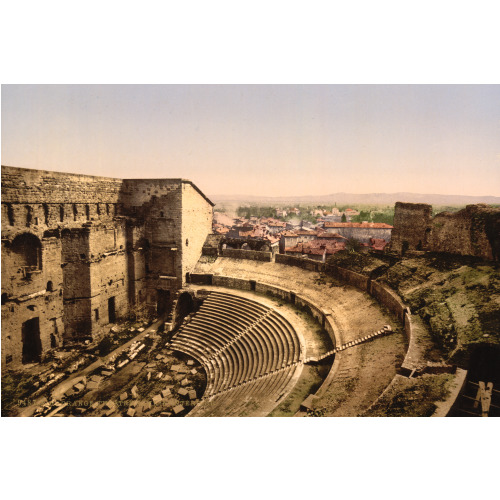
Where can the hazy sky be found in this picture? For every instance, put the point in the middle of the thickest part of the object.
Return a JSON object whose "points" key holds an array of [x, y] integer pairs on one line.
{"points": [[263, 140]]}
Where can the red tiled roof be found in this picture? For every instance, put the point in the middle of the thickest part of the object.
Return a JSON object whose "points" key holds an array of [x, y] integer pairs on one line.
{"points": [[366, 225]]}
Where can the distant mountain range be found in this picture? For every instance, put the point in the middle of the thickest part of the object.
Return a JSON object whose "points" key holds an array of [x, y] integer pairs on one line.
{"points": [[360, 199]]}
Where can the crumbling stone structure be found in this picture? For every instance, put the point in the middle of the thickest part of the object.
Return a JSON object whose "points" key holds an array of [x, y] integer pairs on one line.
{"points": [[473, 231], [79, 252]]}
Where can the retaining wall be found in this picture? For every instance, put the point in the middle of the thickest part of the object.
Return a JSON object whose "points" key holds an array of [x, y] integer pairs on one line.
{"points": [[247, 254]]}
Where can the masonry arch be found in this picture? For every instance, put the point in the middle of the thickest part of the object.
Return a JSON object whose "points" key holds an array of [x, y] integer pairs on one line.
{"points": [[26, 250]]}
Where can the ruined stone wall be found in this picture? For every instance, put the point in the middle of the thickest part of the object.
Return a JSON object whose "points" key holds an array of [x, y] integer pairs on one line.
{"points": [[247, 254], [411, 226], [95, 239], [473, 231]]}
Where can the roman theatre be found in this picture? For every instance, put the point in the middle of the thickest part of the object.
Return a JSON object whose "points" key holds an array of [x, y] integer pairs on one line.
{"points": [[262, 334]]}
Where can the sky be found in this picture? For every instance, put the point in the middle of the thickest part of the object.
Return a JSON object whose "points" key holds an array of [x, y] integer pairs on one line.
{"points": [[268, 140]]}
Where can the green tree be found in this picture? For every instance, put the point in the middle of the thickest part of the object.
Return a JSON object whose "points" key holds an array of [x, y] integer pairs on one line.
{"points": [[344, 218]]}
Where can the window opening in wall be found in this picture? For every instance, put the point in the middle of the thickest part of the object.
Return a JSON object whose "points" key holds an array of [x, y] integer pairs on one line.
{"points": [[87, 212], [32, 345], [96, 314], [61, 213], [4, 298], [405, 247], [98, 208], [75, 212], [187, 241], [53, 340], [111, 310], [162, 214], [252, 285], [107, 209], [29, 215], [10, 214], [46, 213], [50, 287]]}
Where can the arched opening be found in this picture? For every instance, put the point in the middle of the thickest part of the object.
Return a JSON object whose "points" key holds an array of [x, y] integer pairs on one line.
{"points": [[185, 305], [27, 252], [50, 287]]}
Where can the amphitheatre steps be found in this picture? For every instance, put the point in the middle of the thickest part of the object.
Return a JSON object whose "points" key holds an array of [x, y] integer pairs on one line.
{"points": [[386, 330], [249, 352]]}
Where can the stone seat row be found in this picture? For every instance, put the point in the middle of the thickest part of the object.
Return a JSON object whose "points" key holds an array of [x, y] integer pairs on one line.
{"points": [[266, 389], [232, 357]]}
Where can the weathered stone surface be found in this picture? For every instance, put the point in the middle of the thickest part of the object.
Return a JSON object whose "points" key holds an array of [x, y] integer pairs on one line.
{"points": [[192, 394], [130, 412], [123, 396], [182, 392], [85, 234], [157, 399], [165, 393], [178, 409]]}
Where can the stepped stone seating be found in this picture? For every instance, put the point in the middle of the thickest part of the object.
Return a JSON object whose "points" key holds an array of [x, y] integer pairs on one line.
{"points": [[249, 351]]}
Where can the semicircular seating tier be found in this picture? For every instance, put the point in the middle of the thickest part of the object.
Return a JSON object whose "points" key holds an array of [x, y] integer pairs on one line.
{"points": [[250, 354]]}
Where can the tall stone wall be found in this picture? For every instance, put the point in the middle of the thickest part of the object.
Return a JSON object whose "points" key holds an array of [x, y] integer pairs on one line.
{"points": [[473, 231], [95, 249], [411, 226]]}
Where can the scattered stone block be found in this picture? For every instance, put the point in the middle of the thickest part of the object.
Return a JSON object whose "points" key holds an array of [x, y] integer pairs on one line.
{"points": [[146, 406], [159, 356], [148, 376], [79, 387], [106, 373], [109, 413], [123, 396], [157, 399], [115, 329], [141, 329], [184, 382], [165, 414], [175, 368], [193, 371], [190, 362], [92, 385], [192, 394], [178, 409], [151, 365], [159, 375], [96, 378], [165, 393], [182, 392], [178, 376], [133, 403], [130, 412], [111, 405], [135, 392], [94, 406], [183, 369]]}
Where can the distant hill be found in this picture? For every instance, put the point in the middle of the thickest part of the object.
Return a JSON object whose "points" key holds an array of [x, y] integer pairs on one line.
{"points": [[360, 199]]}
